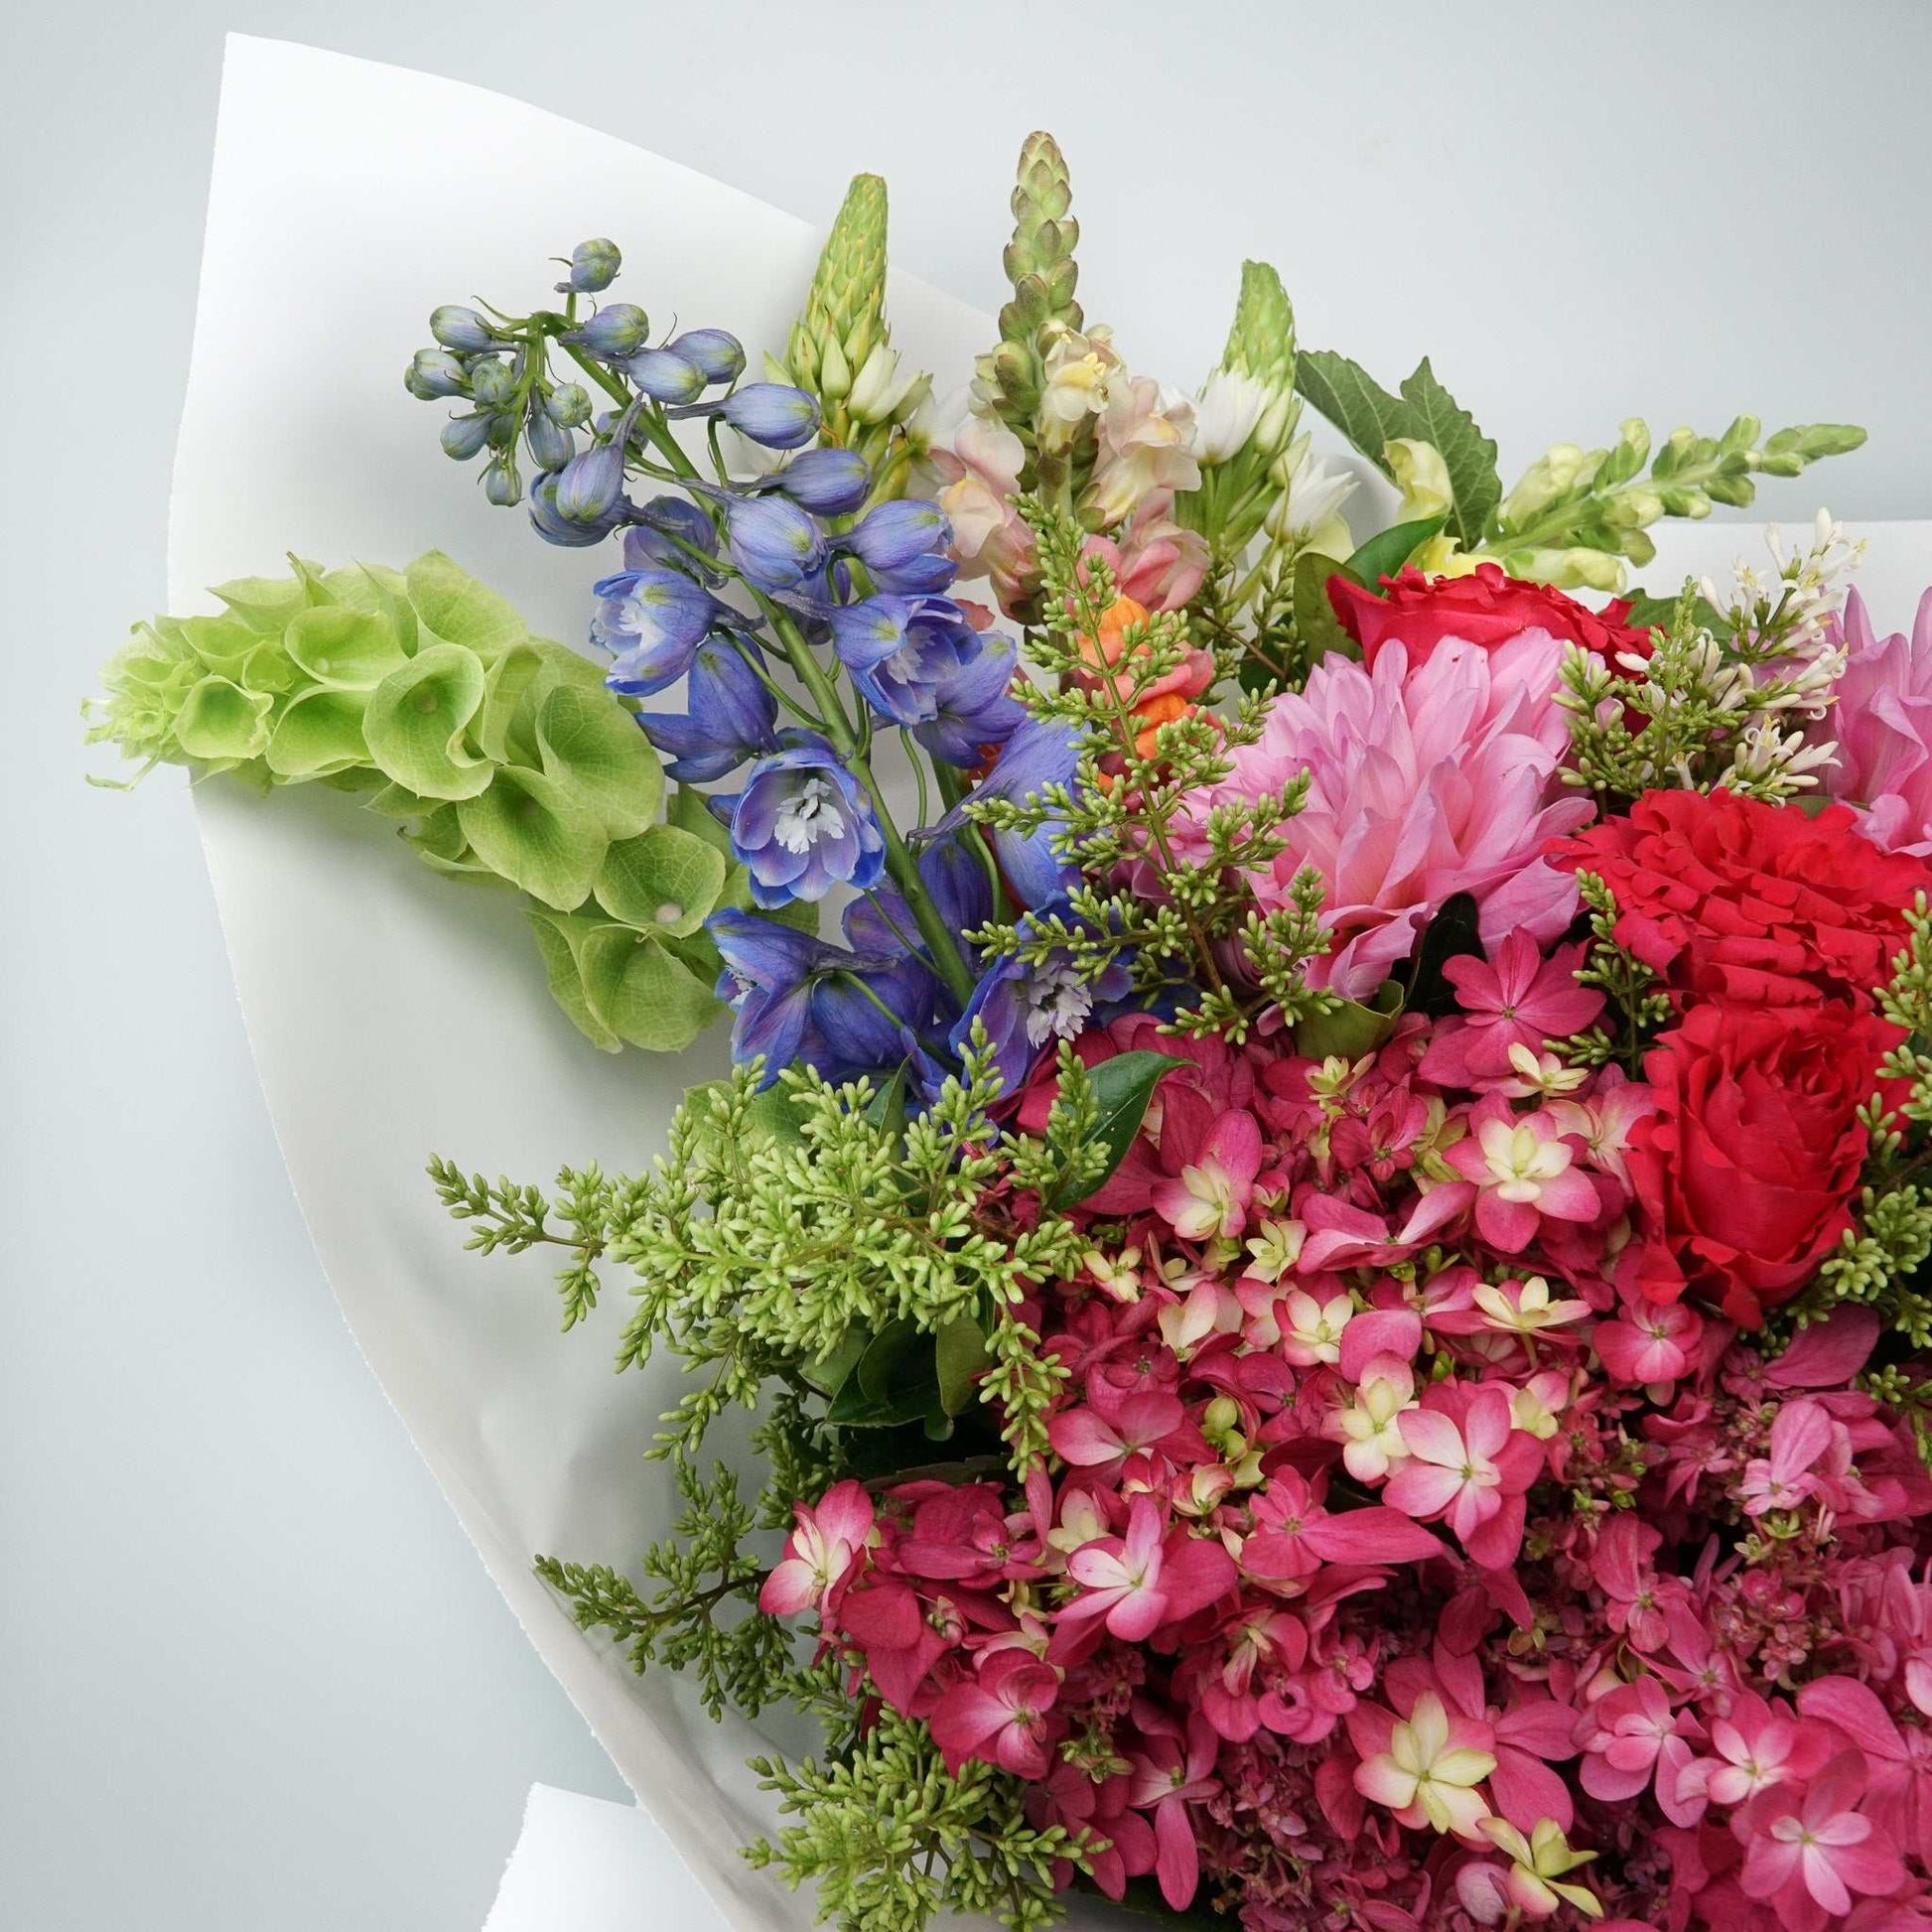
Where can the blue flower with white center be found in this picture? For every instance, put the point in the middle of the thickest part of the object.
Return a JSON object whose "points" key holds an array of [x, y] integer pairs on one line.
{"points": [[795, 998], [803, 825], [730, 713], [650, 620], [772, 541], [1028, 1009]]}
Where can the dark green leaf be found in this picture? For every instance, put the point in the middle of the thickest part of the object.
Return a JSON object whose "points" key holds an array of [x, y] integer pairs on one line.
{"points": [[887, 1108], [1122, 1089], [1354, 402], [1470, 455], [1355, 1030], [1451, 934], [1317, 626], [1384, 555], [960, 1356]]}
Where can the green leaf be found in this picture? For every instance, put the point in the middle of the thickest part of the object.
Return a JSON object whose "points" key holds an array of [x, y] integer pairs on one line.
{"points": [[559, 937], [1450, 935], [416, 720], [219, 720], [1317, 628], [960, 1355], [320, 733], [533, 832], [1470, 455], [774, 1111], [830, 1373], [885, 1110], [1384, 555], [350, 648], [1122, 1089], [592, 743], [895, 1382], [642, 991], [1357, 405], [1353, 1030], [453, 606], [663, 878], [688, 811]]}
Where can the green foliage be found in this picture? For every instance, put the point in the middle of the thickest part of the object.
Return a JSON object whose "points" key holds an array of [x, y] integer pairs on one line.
{"points": [[892, 1839], [1576, 515], [502, 757], [1130, 805], [1629, 986], [1880, 1261], [699, 1609]]}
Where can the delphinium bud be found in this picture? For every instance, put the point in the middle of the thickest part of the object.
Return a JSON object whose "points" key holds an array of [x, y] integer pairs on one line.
{"points": [[501, 485], [772, 413], [491, 381], [568, 405], [665, 377], [554, 528], [593, 266], [617, 330], [461, 329], [716, 351], [435, 372], [590, 484], [551, 446], [464, 436], [828, 482]]}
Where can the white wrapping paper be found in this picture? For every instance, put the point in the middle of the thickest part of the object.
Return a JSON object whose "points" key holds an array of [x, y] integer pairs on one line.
{"points": [[392, 1012]]}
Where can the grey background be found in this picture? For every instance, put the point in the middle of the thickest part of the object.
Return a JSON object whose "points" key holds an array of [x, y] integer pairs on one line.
{"points": [[250, 1674]]}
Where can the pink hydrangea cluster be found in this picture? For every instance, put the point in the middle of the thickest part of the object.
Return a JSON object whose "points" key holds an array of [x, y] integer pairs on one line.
{"points": [[1392, 1568]]}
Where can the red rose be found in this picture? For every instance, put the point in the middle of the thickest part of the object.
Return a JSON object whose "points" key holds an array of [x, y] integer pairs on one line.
{"points": [[1744, 1175], [1732, 898], [1485, 608]]}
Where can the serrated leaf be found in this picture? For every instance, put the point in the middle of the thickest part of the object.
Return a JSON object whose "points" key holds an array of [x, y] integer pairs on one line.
{"points": [[320, 733], [589, 743], [1470, 455], [662, 878], [1122, 1089], [453, 606], [533, 832], [642, 991], [1384, 554], [416, 720], [1357, 405]]}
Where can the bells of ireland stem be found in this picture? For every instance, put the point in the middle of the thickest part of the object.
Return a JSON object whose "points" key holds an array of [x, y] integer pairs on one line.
{"points": [[593, 266], [462, 329], [617, 330]]}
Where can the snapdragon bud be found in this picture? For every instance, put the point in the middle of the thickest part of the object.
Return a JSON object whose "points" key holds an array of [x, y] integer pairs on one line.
{"points": [[879, 389], [501, 485], [568, 405], [617, 330], [464, 436], [551, 446], [435, 372], [593, 266], [1560, 471], [491, 381], [716, 351], [461, 329]]}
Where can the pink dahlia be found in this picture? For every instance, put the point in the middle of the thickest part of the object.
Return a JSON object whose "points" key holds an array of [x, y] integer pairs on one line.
{"points": [[1883, 726], [1425, 783]]}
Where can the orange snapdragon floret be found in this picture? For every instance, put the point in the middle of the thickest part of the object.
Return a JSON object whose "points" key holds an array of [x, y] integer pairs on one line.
{"points": [[1168, 696]]}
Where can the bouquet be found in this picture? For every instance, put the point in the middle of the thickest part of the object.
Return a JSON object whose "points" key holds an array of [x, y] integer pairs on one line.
{"points": [[1306, 1298]]}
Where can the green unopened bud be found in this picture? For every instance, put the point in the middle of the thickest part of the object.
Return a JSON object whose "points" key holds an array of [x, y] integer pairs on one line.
{"points": [[878, 388], [1261, 343], [1222, 1414], [1422, 478], [1040, 258], [846, 303], [1577, 568], [1560, 473]]}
